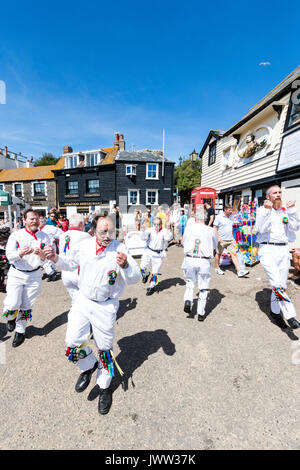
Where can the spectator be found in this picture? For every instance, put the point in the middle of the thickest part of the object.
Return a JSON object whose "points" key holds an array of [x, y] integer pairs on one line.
{"points": [[63, 222], [210, 214], [182, 225], [223, 227]]}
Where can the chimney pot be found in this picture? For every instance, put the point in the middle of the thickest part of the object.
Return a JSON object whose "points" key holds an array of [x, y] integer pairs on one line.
{"points": [[122, 142]]}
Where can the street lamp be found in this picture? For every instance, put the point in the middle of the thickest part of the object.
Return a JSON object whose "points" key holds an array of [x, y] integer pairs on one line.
{"points": [[193, 155]]}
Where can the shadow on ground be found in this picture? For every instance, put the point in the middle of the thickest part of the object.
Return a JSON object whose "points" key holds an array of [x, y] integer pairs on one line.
{"points": [[134, 351], [214, 298], [263, 297]]}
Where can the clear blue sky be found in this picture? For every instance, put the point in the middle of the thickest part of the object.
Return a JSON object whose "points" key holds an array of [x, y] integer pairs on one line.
{"points": [[77, 72]]}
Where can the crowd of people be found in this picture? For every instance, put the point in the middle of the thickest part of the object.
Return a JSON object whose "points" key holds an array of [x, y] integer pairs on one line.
{"points": [[96, 267]]}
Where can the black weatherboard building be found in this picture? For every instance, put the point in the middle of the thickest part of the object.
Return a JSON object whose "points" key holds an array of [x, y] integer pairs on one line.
{"points": [[97, 179]]}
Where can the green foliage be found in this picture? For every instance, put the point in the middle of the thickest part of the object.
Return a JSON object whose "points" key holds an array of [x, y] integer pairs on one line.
{"points": [[187, 176], [46, 159]]}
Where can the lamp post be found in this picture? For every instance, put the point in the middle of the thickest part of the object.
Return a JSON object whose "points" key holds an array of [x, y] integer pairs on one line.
{"points": [[193, 155]]}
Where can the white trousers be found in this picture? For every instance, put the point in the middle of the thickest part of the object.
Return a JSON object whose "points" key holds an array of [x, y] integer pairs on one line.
{"points": [[70, 281], [153, 258], [276, 263], [197, 271], [101, 316], [21, 292]]}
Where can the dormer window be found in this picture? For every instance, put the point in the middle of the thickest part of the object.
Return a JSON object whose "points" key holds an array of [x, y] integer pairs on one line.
{"points": [[130, 170]]}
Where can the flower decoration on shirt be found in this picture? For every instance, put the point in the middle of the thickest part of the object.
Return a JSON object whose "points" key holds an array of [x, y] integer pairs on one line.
{"points": [[17, 245], [42, 246], [112, 276], [285, 220], [196, 246], [67, 243]]}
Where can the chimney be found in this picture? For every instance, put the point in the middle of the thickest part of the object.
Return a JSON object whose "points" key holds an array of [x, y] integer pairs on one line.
{"points": [[5, 151], [116, 143], [122, 142], [67, 149]]}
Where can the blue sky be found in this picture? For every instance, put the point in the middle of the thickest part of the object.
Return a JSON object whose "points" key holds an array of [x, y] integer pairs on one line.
{"points": [[77, 72]]}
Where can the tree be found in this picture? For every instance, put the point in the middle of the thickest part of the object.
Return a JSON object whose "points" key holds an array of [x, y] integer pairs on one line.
{"points": [[187, 176], [46, 159]]}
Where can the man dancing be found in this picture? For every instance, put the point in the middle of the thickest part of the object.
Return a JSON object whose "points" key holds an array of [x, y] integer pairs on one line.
{"points": [[24, 251], [276, 227], [68, 240], [200, 244], [157, 239], [105, 269]]}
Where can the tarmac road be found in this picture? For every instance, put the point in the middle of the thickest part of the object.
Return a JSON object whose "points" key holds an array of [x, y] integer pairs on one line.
{"points": [[230, 382]]}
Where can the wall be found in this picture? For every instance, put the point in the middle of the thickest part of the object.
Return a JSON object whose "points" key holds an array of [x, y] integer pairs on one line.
{"points": [[216, 176], [124, 183]]}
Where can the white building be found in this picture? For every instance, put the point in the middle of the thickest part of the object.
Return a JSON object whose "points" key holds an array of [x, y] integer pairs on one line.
{"points": [[261, 149]]}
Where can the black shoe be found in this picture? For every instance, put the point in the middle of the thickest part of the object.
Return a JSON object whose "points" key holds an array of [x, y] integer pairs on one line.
{"points": [[145, 278], [201, 317], [52, 278], [105, 400], [19, 338], [187, 306], [293, 323], [11, 325], [85, 378], [150, 290], [277, 318]]}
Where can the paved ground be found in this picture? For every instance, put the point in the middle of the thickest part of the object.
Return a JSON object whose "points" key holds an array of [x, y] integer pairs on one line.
{"points": [[230, 382]]}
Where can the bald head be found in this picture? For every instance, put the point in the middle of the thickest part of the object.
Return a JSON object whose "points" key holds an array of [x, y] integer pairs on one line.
{"points": [[104, 231]]}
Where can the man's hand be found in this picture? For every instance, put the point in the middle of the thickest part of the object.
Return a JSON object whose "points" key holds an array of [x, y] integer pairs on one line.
{"points": [[121, 259], [25, 251], [40, 253], [50, 254], [168, 225], [268, 204], [290, 204]]}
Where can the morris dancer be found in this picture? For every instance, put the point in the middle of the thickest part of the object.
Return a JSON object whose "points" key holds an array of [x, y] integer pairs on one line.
{"points": [[105, 269], [24, 251], [157, 239], [200, 244], [68, 240], [276, 227]]}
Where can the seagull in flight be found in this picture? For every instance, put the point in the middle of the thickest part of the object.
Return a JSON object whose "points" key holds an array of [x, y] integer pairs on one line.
{"points": [[264, 63]]}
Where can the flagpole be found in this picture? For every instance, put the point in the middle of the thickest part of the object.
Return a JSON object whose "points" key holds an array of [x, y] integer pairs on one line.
{"points": [[163, 164]]}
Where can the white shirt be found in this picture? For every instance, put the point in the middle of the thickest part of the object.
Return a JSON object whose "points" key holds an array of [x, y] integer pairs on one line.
{"points": [[96, 270], [157, 240], [200, 240], [224, 225], [21, 239], [52, 231], [270, 225], [71, 238]]}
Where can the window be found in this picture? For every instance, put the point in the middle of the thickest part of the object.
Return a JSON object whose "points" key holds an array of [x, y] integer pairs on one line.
{"points": [[152, 171], [39, 189], [294, 115], [2, 187], [72, 187], [151, 197], [91, 159], [133, 196], [92, 186], [72, 161], [130, 170], [18, 189], [212, 153]]}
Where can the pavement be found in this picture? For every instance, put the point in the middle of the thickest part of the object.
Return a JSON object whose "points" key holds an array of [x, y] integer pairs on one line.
{"points": [[230, 382]]}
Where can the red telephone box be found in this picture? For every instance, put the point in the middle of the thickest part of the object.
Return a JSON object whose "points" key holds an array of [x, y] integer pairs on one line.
{"points": [[201, 194]]}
